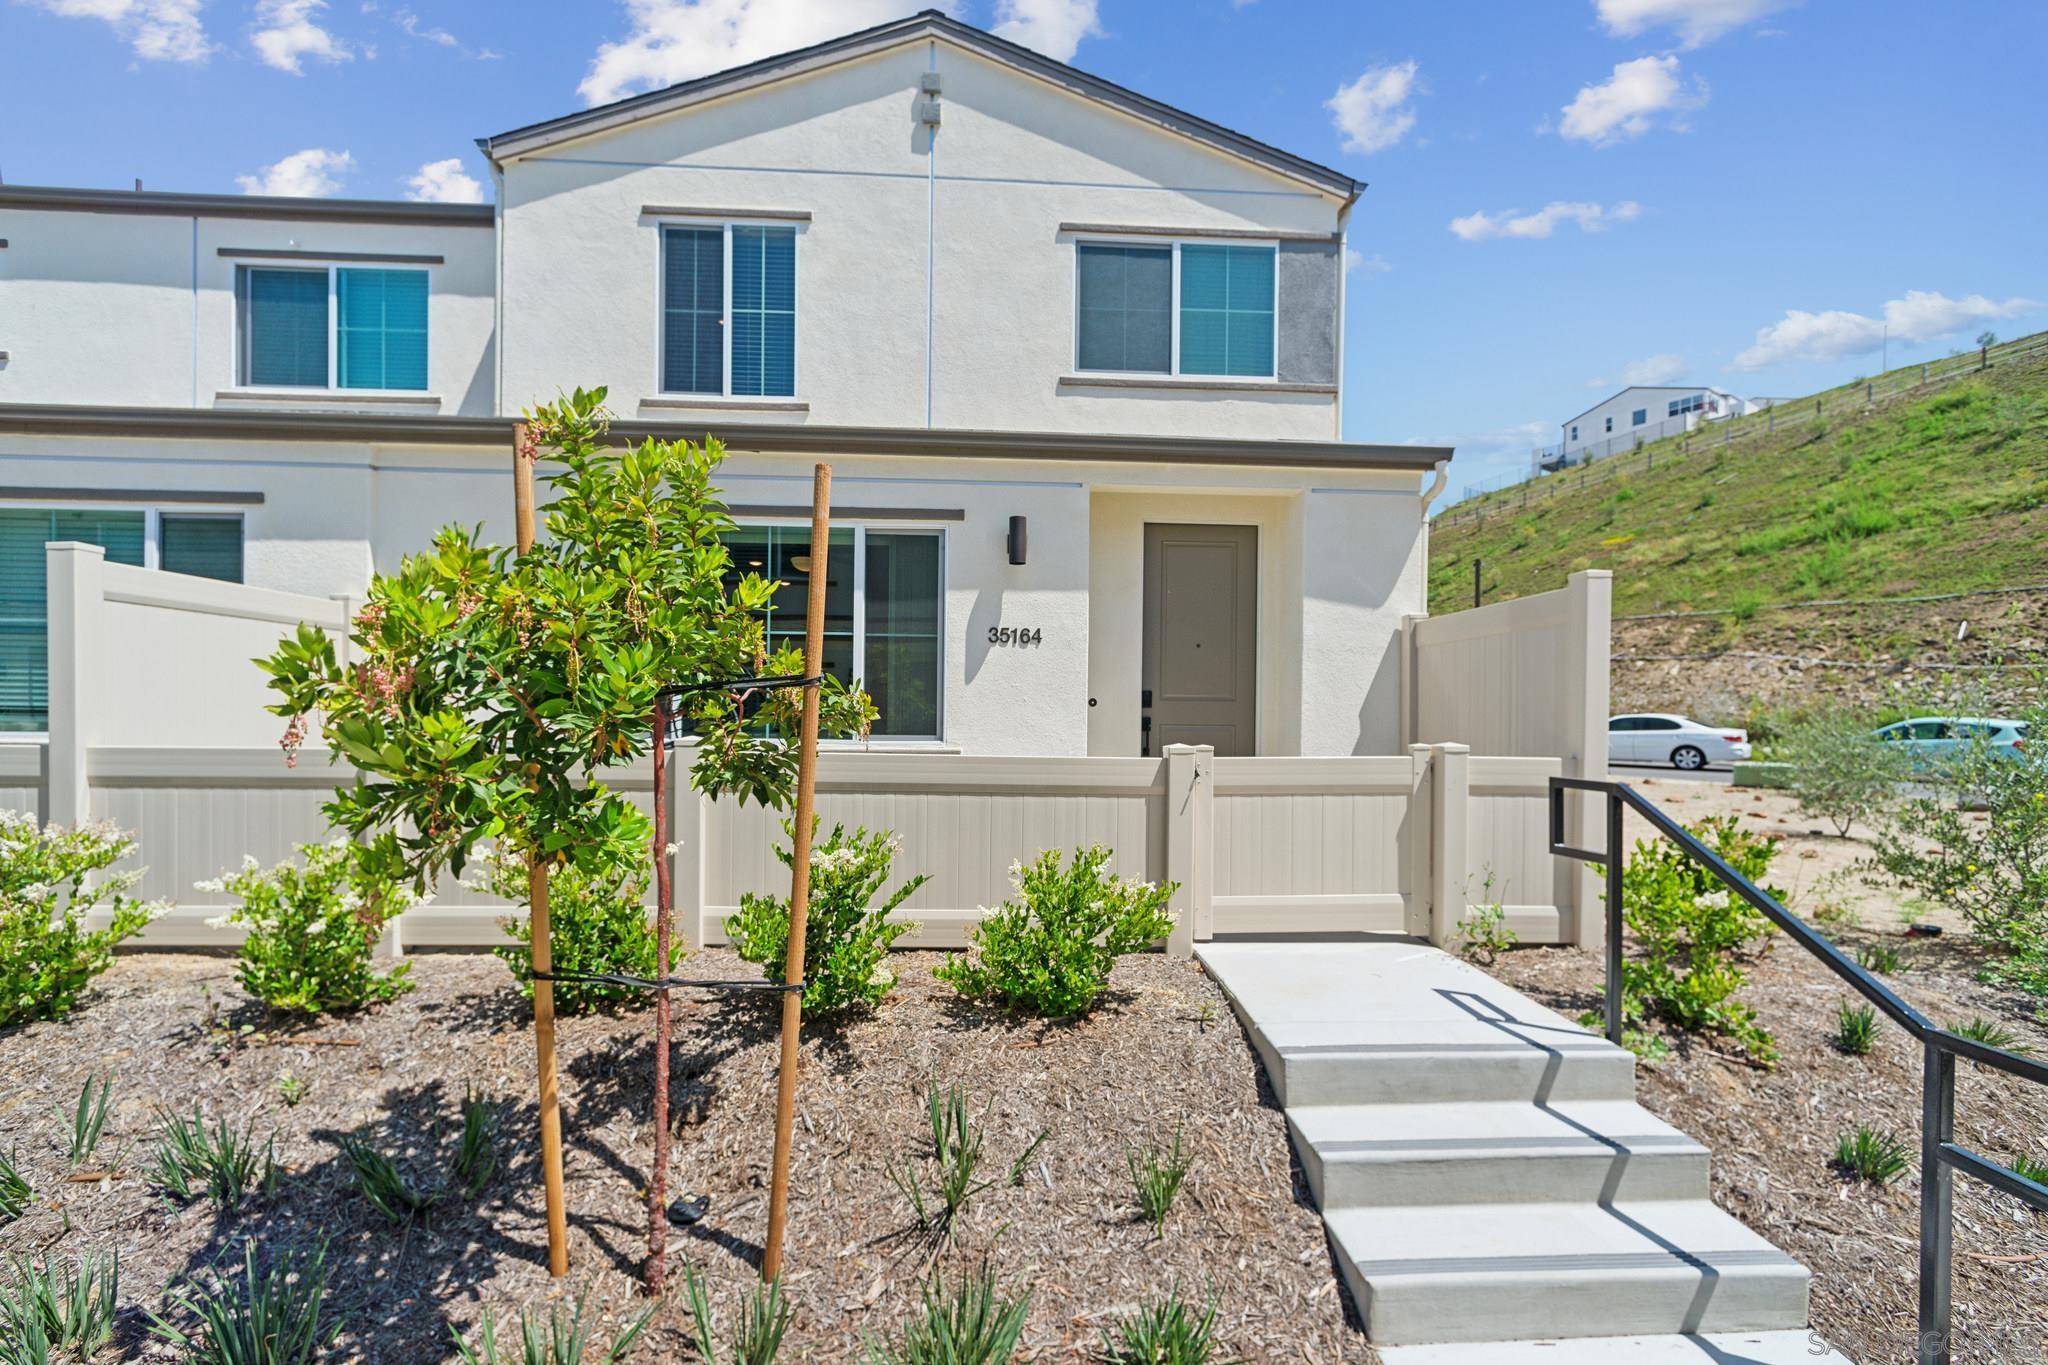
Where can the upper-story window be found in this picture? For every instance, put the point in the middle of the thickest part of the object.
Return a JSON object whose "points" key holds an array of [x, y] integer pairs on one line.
{"points": [[1640, 416], [728, 310], [332, 327], [1678, 407], [1187, 308]]}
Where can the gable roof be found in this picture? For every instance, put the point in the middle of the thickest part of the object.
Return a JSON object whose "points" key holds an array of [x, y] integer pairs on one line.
{"points": [[929, 23]]}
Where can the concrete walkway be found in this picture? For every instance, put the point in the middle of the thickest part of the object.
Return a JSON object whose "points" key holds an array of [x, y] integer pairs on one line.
{"points": [[1486, 1175]]}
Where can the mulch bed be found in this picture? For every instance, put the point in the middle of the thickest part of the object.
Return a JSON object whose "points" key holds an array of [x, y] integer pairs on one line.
{"points": [[1773, 1134], [1163, 1051]]}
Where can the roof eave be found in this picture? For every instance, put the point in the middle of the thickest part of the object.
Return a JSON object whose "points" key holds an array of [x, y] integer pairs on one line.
{"points": [[761, 437]]}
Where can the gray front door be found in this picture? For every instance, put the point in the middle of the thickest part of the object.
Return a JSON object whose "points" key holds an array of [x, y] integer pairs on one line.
{"points": [[1200, 660]]}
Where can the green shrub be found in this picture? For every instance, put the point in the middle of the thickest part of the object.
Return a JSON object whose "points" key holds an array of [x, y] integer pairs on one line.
{"points": [[275, 1318], [1483, 934], [1840, 772], [89, 1118], [1991, 1034], [955, 1159], [1052, 954], [1993, 870], [313, 930], [966, 1323], [598, 919], [1855, 1029], [383, 1184], [15, 1192], [1880, 957], [50, 879], [1745, 604], [847, 933], [1864, 1153], [2030, 1168], [1163, 1332], [1689, 930]]}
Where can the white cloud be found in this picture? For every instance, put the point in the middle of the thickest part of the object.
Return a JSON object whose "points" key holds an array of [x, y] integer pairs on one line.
{"points": [[309, 174], [414, 27], [1626, 104], [1372, 112], [444, 182], [1922, 315], [1054, 27], [1481, 226], [1369, 265], [1667, 368], [1696, 21], [286, 32], [677, 40], [157, 30]]}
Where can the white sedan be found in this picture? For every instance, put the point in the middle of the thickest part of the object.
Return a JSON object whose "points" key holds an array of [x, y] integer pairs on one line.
{"points": [[1682, 743]]}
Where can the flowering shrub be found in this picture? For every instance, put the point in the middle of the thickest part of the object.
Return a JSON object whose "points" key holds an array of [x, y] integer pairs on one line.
{"points": [[598, 920], [1993, 867], [47, 955], [1690, 930], [846, 934], [313, 930], [1052, 954]]}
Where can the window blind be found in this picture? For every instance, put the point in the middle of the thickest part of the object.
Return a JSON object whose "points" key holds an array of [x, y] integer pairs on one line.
{"points": [[207, 547], [764, 311], [381, 329], [1226, 310], [693, 310], [24, 607], [1126, 307], [284, 327]]}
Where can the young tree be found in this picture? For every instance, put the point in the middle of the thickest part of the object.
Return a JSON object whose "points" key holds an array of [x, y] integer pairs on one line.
{"points": [[1841, 772], [492, 689]]}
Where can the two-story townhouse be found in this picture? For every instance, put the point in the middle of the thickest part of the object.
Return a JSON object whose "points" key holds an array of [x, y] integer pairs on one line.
{"points": [[1074, 355]]}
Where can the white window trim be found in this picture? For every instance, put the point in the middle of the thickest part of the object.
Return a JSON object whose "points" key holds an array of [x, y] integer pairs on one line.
{"points": [[725, 226], [241, 335], [1272, 376], [860, 607]]}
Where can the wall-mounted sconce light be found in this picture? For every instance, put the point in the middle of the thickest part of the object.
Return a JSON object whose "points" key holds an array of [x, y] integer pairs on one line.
{"points": [[1016, 540], [801, 563]]}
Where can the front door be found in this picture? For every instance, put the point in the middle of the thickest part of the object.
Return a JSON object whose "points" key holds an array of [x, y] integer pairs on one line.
{"points": [[1200, 659]]}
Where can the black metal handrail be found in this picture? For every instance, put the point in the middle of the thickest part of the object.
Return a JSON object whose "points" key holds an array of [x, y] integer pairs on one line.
{"points": [[1940, 1155]]}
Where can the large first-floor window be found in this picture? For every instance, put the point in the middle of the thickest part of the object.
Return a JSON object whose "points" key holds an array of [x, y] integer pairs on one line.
{"points": [[882, 611], [205, 544]]}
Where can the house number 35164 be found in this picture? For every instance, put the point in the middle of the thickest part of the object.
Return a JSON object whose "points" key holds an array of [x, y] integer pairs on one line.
{"points": [[1015, 635]]}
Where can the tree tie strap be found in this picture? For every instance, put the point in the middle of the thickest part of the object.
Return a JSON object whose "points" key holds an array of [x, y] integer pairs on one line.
{"points": [[665, 983]]}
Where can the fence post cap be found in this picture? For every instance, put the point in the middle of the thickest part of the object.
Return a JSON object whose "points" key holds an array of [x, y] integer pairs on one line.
{"points": [[77, 547]]}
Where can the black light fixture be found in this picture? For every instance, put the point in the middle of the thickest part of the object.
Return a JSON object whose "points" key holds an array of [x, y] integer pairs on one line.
{"points": [[1017, 538]]}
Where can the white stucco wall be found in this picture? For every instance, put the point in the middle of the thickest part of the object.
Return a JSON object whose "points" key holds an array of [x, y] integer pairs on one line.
{"points": [[138, 310], [978, 219], [1340, 560]]}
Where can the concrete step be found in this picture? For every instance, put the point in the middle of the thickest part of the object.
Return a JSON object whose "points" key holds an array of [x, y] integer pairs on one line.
{"points": [[1724, 1348], [1600, 1151], [1500, 1272], [1439, 1061]]}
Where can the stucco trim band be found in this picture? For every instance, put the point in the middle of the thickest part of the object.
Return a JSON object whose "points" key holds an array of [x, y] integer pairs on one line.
{"points": [[674, 211], [179, 495], [254, 253], [1242, 234], [1128, 381]]}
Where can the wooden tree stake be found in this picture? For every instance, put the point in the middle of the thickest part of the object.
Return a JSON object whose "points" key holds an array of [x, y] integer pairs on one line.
{"points": [[664, 905], [800, 866], [523, 461]]}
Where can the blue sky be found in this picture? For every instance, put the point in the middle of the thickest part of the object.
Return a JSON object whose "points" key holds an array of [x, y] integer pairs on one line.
{"points": [[1564, 194]]}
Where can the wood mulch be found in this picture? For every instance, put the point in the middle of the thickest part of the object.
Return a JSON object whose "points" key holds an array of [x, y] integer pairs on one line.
{"points": [[1163, 1052], [1772, 1134]]}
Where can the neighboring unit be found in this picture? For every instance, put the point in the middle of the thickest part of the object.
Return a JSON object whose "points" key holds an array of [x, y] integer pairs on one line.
{"points": [[1638, 414], [1059, 304]]}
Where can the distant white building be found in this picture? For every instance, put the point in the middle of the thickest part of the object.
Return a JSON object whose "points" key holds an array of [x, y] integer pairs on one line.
{"points": [[1640, 413]]}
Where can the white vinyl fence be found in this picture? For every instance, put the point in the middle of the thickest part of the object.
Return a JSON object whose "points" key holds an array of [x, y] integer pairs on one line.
{"points": [[170, 742]]}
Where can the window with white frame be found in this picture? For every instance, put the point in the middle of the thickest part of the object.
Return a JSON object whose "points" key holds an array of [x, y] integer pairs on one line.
{"points": [[1184, 308], [331, 327], [728, 310], [203, 543], [883, 608]]}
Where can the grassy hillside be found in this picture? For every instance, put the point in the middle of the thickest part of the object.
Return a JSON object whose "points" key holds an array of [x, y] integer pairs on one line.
{"points": [[1941, 492]]}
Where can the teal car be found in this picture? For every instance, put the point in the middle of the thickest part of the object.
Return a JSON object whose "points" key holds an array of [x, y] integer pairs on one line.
{"points": [[1931, 742]]}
